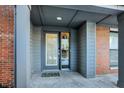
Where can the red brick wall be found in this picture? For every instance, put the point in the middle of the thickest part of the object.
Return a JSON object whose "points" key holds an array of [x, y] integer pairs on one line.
{"points": [[102, 51], [6, 46]]}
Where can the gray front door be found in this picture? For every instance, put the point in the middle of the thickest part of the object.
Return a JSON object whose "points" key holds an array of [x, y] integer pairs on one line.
{"points": [[51, 50]]}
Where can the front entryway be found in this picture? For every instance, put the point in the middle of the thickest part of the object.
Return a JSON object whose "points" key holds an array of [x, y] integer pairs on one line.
{"points": [[68, 79], [57, 50]]}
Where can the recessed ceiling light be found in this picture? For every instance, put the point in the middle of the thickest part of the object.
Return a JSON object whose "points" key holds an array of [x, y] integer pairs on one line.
{"points": [[59, 18]]}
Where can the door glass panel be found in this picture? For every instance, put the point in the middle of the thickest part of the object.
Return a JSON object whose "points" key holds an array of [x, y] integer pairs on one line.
{"points": [[64, 49], [51, 49]]}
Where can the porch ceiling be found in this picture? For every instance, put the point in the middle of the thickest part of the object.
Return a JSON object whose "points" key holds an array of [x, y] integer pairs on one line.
{"points": [[72, 16]]}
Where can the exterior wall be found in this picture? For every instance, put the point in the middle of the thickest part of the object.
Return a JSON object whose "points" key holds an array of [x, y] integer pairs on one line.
{"points": [[73, 50], [23, 65], [91, 49], [82, 50], [86, 50], [31, 46], [121, 51], [102, 44], [36, 49], [7, 46], [103, 52]]}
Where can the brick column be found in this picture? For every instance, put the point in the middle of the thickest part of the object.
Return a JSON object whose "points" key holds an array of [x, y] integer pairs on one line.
{"points": [[7, 46]]}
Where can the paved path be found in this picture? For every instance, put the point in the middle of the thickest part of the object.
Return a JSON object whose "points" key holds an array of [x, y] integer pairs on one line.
{"points": [[73, 80]]}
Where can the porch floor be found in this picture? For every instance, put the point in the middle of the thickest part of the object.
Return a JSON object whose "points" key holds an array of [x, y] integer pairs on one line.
{"points": [[74, 80]]}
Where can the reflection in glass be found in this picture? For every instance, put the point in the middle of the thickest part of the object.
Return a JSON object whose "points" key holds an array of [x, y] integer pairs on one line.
{"points": [[65, 49]]}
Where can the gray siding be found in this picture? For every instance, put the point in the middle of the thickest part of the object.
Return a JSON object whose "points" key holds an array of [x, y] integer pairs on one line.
{"points": [[55, 28], [73, 50], [91, 49], [36, 49], [82, 50], [42, 49], [87, 50]]}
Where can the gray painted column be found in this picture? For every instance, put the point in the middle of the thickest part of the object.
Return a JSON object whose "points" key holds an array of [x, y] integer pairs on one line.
{"points": [[87, 49], [73, 49], [121, 50], [23, 69]]}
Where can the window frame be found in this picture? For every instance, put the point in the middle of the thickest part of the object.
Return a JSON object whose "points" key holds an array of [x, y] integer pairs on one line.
{"points": [[112, 31]]}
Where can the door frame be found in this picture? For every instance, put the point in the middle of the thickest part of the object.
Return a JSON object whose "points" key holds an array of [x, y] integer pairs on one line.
{"points": [[44, 62], [59, 47]]}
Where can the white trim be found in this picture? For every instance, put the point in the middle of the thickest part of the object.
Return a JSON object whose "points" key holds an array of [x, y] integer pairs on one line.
{"points": [[112, 68], [46, 52], [114, 29]]}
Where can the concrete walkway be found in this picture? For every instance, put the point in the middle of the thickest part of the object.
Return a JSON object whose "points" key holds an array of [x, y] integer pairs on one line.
{"points": [[74, 80]]}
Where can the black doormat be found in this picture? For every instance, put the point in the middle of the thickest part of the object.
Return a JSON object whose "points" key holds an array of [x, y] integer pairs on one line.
{"points": [[50, 74]]}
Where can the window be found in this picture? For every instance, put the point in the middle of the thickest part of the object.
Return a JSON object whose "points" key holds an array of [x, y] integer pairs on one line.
{"points": [[113, 40], [113, 49]]}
